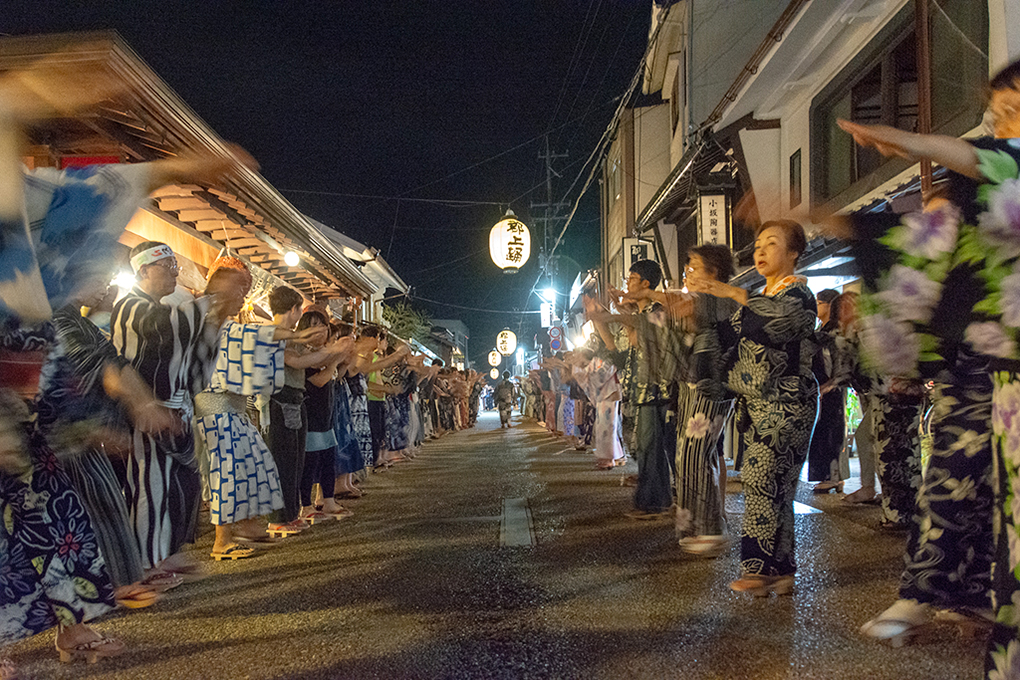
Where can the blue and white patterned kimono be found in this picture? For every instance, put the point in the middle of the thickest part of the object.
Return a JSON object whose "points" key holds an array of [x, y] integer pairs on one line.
{"points": [[243, 479], [57, 231]]}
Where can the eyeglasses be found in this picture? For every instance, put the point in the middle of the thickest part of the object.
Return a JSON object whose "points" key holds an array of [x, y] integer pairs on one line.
{"points": [[170, 264]]}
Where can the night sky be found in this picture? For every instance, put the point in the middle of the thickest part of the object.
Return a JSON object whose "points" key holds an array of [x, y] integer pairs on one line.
{"points": [[398, 100]]}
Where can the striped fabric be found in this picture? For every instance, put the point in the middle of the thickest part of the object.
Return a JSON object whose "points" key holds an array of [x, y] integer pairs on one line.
{"points": [[168, 346]]}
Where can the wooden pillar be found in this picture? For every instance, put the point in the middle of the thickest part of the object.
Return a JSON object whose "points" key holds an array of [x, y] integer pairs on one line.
{"points": [[922, 25]]}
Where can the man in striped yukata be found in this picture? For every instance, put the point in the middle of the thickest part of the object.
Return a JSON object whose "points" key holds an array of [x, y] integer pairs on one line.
{"points": [[168, 346]]}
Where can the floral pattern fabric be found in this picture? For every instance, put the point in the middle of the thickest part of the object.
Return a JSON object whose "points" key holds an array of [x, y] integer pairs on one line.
{"points": [[51, 570], [768, 357]]}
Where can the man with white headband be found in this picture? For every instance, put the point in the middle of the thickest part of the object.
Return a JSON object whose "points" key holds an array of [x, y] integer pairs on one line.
{"points": [[168, 346]]}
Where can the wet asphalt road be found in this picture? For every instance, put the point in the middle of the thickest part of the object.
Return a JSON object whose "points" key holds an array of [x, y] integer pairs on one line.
{"points": [[416, 585]]}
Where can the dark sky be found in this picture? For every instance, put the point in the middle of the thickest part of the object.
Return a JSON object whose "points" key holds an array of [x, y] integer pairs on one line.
{"points": [[397, 99]]}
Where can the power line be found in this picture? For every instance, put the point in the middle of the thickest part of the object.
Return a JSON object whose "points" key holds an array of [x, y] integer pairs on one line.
{"points": [[449, 202], [474, 309]]}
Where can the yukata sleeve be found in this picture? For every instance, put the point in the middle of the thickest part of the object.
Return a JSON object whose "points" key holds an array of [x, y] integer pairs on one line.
{"points": [[249, 362], [75, 218], [773, 321], [86, 349]]}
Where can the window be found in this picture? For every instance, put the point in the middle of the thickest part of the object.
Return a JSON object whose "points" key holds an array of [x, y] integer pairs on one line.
{"points": [[615, 185], [880, 86], [795, 188], [676, 102]]}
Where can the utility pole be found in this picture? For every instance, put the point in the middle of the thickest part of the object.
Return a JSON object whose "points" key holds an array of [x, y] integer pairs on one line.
{"points": [[549, 214]]}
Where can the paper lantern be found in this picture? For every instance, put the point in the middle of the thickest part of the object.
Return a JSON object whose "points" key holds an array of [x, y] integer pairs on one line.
{"points": [[495, 359], [494, 374], [510, 243], [506, 343]]}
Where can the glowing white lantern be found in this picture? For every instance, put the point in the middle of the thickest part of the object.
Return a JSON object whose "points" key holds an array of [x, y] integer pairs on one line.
{"points": [[506, 343], [494, 374], [510, 243], [494, 358]]}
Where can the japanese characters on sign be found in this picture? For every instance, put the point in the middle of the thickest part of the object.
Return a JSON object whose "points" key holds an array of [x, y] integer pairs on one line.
{"points": [[635, 249], [546, 314], [494, 374], [713, 219], [495, 359], [510, 244], [506, 343]]}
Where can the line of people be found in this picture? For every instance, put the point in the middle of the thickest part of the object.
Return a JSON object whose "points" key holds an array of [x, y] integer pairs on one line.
{"points": [[113, 429]]}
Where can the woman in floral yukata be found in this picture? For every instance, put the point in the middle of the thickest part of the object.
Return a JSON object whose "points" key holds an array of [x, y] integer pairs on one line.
{"points": [[767, 352], [946, 302]]}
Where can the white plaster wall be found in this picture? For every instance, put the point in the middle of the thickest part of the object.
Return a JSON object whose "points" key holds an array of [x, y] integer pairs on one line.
{"points": [[652, 161]]}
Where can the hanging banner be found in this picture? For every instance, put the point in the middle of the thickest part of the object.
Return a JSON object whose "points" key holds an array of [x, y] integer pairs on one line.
{"points": [[713, 219], [546, 314]]}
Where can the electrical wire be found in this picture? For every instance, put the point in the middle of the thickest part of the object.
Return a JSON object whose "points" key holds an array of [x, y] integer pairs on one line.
{"points": [[449, 202], [474, 309]]}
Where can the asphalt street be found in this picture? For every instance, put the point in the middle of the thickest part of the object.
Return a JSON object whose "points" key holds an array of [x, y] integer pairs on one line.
{"points": [[502, 554]]}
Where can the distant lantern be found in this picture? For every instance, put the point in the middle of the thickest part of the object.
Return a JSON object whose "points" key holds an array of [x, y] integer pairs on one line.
{"points": [[494, 374], [506, 343], [510, 243], [494, 358]]}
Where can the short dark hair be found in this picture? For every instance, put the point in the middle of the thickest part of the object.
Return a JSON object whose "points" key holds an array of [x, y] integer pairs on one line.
{"points": [[506, 375], [306, 319], [649, 270], [374, 332], [437, 362], [145, 245], [1006, 78], [718, 260], [796, 240], [283, 299]]}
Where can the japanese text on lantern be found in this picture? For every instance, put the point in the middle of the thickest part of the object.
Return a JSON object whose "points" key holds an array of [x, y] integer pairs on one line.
{"points": [[509, 244], [506, 342]]}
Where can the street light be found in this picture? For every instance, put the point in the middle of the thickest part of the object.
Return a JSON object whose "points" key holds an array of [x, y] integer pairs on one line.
{"points": [[550, 295]]}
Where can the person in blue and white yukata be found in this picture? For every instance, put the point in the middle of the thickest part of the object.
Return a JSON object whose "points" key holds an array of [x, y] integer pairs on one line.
{"points": [[243, 479]]}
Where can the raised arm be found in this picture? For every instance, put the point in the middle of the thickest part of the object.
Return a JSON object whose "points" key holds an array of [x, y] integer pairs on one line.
{"points": [[951, 152]]}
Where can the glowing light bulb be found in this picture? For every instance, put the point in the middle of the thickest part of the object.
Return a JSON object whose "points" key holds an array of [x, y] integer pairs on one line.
{"points": [[291, 258], [124, 281]]}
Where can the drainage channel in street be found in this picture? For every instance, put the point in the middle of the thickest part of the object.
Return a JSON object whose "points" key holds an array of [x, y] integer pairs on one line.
{"points": [[515, 527]]}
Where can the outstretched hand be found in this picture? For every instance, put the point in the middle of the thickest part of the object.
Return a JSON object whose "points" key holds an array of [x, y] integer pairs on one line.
{"points": [[888, 141]]}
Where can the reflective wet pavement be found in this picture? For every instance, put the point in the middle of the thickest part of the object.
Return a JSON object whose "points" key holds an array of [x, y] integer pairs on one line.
{"points": [[418, 585]]}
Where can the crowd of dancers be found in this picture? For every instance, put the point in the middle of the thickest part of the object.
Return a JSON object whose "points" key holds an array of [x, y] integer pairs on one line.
{"points": [[109, 445], [929, 346], [123, 416]]}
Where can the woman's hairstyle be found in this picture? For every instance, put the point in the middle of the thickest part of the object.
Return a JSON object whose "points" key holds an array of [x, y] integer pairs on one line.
{"points": [[836, 308], [718, 260], [796, 240], [1007, 78], [228, 265], [341, 330], [283, 299], [306, 319]]}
